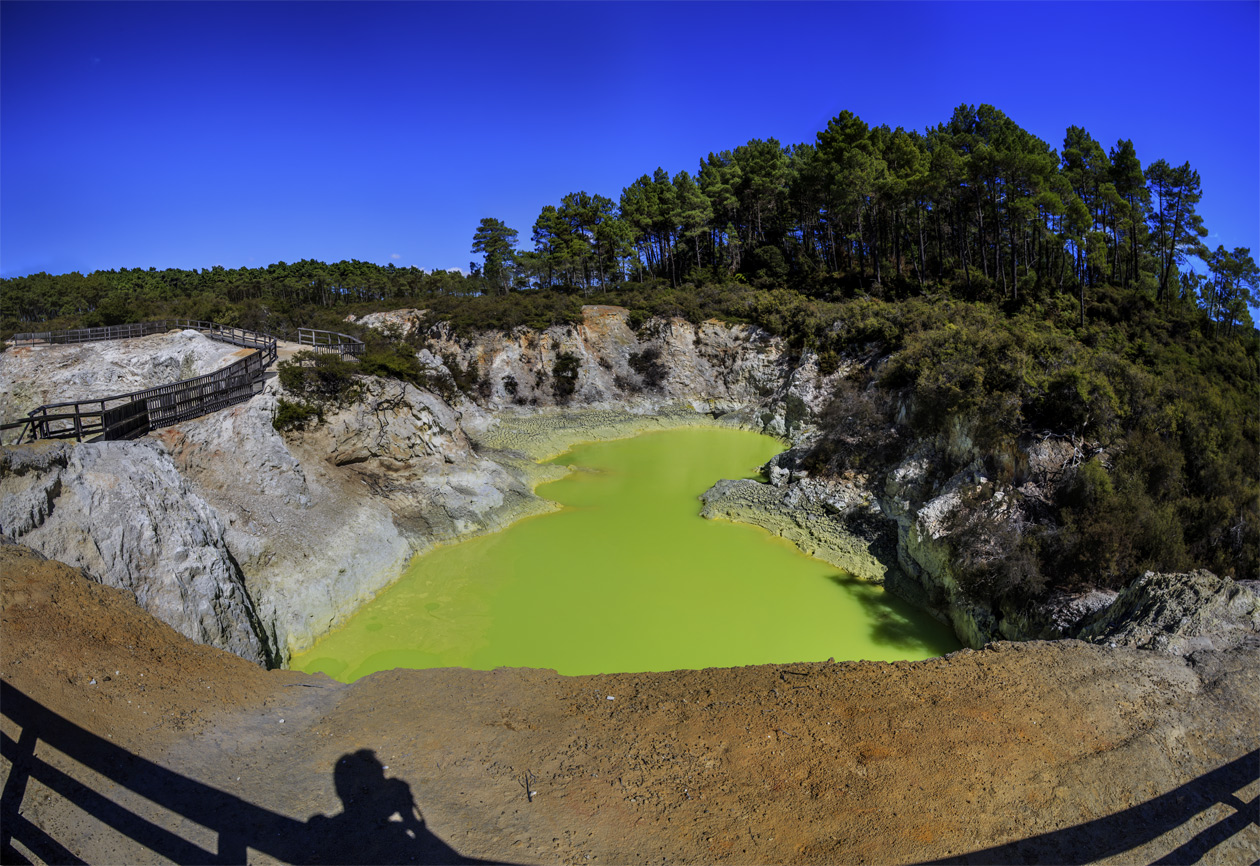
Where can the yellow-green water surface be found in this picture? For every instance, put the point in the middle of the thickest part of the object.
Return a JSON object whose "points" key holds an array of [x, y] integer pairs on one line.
{"points": [[628, 577]]}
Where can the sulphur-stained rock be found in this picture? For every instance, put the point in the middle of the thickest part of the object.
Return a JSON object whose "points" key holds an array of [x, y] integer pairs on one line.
{"points": [[122, 512], [33, 375], [1180, 614]]}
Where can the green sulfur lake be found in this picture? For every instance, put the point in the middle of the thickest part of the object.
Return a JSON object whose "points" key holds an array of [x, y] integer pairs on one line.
{"points": [[628, 577]]}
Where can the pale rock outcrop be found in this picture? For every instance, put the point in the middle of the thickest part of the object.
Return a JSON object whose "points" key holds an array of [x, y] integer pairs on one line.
{"points": [[710, 367], [31, 376], [392, 421], [400, 323], [831, 521], [1179, 614], [1061, 614], [122, 512], [793, 409]]}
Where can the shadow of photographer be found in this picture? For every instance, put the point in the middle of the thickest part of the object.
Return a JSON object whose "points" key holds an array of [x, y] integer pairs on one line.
{"points": [[379, 823]]}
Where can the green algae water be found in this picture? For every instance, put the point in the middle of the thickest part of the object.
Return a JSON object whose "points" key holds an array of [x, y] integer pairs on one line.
{"points": [[628, 577]]}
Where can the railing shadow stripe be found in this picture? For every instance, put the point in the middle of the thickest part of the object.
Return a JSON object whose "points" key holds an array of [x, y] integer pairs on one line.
{"points": [[1197, 848], [1139, 825], [360, 834], [36, 841], [217, 811], [159, 839]]}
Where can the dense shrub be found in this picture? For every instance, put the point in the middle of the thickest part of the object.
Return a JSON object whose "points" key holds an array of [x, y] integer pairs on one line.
{"points": [[1170, 407], [649, 367], [296, 415], [564, 374], [322, 377]]}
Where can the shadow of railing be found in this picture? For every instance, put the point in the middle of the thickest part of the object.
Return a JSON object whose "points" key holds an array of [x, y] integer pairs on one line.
{"points": [[380, 822], [1139, 825]]}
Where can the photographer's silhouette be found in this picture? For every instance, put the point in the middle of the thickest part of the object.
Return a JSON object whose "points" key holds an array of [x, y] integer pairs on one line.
{"points": [[379, 822]]}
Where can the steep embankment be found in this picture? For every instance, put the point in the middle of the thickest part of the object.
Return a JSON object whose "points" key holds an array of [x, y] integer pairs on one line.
{"points": [[125, 515], [1038, 752]]}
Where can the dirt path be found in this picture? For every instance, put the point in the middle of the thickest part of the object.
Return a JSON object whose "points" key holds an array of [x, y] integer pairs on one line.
{"points": [[1047, 751]]}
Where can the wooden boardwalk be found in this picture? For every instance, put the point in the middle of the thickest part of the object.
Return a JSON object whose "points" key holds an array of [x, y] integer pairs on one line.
{"points": [[131, 415]]}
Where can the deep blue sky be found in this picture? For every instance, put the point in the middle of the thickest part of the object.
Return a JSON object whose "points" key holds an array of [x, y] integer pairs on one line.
{"points": [[189, 135]]}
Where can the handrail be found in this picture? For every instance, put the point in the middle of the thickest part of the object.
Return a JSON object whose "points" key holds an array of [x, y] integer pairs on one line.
{"points": [[130, 415], [222, 333], [89, 335], [330, 341], [24, 424]]}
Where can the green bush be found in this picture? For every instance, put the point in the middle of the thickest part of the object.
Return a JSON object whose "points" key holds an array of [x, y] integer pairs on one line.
{"points": [[323, 377], [291, 415], [649, 367], [565, 375]]}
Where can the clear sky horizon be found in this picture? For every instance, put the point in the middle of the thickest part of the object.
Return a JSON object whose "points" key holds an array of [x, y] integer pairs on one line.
{"points": [[240, 134]]}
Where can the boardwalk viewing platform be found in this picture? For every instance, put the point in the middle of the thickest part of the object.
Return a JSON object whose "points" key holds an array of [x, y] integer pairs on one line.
{"points": [[131, 415]]}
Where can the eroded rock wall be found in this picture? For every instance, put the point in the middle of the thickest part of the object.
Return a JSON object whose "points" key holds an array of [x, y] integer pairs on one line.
{"points": [[329, 517], [1180, 614], [710, 367], [122, 512]]}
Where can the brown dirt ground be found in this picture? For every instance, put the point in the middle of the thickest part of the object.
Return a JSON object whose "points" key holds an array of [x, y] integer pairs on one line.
{"points": [[1039, 752]]}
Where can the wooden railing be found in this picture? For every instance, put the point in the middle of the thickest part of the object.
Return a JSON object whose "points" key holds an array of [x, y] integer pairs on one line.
{"points": [[128, 416], [91, 335], [221, 333], [330, 341]]}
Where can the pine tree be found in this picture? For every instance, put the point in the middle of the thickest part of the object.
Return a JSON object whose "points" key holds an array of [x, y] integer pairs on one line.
{"points": [[496, 242]]}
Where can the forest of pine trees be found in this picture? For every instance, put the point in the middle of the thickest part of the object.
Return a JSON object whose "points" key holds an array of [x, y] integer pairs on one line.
{"points": [[976, 206]]}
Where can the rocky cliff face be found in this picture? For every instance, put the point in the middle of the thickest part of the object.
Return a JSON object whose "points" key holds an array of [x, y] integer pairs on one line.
{"points": [[331, 516], [710, 367], [1180, 614]]}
